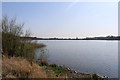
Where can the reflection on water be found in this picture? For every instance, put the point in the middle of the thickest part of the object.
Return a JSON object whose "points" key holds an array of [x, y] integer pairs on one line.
{"points": [[88, 56]]}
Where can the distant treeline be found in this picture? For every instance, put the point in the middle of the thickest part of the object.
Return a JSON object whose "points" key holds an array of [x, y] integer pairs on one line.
{"points": [[87, 38], [103, 38]]}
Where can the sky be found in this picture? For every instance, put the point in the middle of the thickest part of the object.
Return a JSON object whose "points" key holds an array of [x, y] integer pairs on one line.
{"points": [[65, 19]]}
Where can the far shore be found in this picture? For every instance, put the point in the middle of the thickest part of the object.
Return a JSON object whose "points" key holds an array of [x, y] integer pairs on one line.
{"points": [[87, 38]]}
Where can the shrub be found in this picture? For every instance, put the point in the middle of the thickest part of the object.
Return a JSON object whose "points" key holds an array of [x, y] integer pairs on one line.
{"points": [[95, 76], [12, 44], [53, 65]]}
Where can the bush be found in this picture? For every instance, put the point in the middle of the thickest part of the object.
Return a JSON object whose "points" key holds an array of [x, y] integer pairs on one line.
{"points": [[12, 43], [95, 76], [53, 65]]}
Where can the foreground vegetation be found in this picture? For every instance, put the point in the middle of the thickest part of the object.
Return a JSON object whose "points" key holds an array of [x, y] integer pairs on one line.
{"points": [[15, 46], [18, 67]]}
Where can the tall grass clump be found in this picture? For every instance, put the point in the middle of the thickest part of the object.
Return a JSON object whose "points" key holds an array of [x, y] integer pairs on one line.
{"points": [[12, 43]]}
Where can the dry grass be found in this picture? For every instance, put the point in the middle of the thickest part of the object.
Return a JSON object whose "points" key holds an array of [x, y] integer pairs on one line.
{"points": [[17, 67], [38, 45]]}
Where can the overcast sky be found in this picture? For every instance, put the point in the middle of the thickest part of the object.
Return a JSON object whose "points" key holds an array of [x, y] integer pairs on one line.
{"points": [[65, 19]]}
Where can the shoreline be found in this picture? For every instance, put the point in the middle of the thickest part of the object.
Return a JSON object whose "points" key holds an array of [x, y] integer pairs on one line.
{"points": [[70, 73], [77, 74]]}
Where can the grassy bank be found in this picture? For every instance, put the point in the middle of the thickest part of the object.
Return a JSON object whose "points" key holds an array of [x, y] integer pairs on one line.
{"points": [[18, 67]]}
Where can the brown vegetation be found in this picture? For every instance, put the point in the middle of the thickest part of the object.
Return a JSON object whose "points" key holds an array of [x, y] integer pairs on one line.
{"points": [[38, 45], [18, 67]]}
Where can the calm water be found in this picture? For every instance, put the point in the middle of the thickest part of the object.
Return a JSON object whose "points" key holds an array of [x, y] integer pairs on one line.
{"points": [[88, 56]]}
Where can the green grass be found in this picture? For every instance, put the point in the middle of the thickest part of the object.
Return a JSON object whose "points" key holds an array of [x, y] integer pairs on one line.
{"points": [[95, 76], [57, 69]]}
